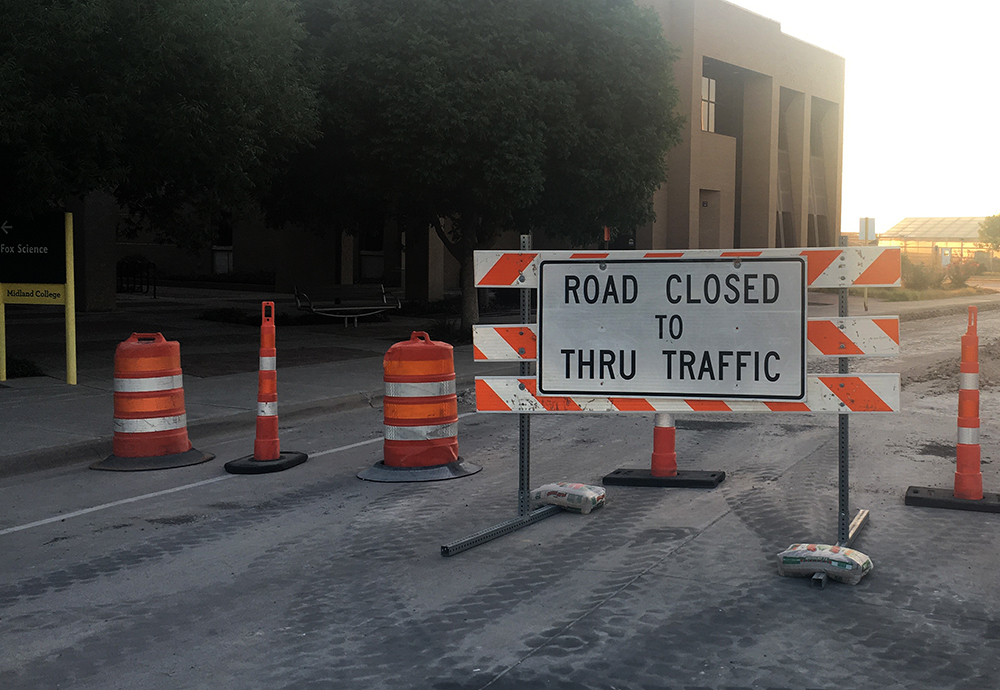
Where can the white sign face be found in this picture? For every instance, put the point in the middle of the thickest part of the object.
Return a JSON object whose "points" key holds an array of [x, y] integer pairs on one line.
{"points": [[692, 328]]}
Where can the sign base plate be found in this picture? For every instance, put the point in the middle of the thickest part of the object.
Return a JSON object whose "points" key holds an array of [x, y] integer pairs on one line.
{"points": [[691, 479], [945, 498]]}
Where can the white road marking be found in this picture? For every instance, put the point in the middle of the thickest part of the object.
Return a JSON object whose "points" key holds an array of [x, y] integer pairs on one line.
{"points": [[155, 494]]}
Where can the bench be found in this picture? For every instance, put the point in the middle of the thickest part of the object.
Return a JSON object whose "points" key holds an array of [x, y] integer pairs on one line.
{"points": [[347, 301]]}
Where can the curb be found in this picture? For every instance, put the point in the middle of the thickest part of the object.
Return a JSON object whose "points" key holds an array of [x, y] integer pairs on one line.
{"points": [[205, 429]]}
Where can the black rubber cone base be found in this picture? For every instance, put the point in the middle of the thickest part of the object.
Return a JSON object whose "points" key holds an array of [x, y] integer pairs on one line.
{"points": [[380, 472], [945, 498], [689, 479], [159, 462], [248, 465]]}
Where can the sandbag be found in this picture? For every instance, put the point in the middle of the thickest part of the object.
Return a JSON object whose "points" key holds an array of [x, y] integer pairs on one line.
{"points": [[840, 564], [580, 498]]}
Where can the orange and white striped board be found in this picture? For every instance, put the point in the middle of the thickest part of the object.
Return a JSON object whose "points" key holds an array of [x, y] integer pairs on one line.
{"points": [[827, 267], [862, 336], [840, 393]]}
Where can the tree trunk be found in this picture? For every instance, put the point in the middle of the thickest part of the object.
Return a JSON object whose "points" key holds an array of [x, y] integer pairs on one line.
{"points": [[470, 295]]}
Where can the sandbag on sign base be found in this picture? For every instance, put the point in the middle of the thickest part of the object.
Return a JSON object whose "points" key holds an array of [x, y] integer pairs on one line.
{"points": [[580, 498], [839, 563]]}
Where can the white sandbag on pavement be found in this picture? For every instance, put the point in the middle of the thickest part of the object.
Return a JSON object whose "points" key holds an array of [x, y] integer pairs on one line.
{"points": [[840, 564], [580, 498]]}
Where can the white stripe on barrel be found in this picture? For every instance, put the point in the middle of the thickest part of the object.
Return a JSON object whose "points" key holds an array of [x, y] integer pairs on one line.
{"points": [[148, 424], [267, 409], [426, 389], [420, 433], [149, 385]]}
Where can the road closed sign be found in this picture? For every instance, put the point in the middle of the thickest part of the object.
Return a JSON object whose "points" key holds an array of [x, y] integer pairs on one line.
{"points": [[692, 328]]}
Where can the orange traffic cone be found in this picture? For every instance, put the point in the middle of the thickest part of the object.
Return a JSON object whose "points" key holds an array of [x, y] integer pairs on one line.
{"points": [[267, 455], [150, 421], [663, 465], [968, 490]]}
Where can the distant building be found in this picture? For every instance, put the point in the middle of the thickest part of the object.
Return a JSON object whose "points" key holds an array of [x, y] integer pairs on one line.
{"points": [[938, 241], [761, 157]]}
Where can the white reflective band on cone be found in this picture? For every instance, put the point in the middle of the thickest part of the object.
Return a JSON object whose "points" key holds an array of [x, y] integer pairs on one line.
{"points": [[149, 385], [968, 382], [268, 363], [144, 426], [968, 437], [420, 433], [419, 390], [267, 409]]}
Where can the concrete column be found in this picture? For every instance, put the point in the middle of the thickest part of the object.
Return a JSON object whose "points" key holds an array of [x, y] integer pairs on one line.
{"points": [[759, 202], [95, 219], [424, 265], [797, 119], [347, 258]]}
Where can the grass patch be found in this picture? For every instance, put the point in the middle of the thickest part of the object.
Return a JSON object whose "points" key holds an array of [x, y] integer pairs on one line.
{"points": [[18, 368], [910, 295]]}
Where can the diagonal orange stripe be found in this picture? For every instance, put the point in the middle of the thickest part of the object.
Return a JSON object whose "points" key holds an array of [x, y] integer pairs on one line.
{"points": [[552, 403], [518, 337], [663, 255], [819, 260], [487, 399], [828, 339], [708, 405], [727, 255], [477, 354], [787, 407], [584, 255], [632, 404], [890, 326], [885, 270], [855, 393], [507, 268]]}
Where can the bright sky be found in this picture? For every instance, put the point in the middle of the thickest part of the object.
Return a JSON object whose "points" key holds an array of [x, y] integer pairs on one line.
{"points": [[921, 102]]}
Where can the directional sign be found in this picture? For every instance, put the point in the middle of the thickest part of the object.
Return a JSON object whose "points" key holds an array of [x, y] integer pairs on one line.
{"points": [[33, 250], [691, 328]]}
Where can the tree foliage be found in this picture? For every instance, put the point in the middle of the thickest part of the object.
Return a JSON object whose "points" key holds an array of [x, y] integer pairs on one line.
{"points": [[176, 107], [989, 232], [477, 117]]}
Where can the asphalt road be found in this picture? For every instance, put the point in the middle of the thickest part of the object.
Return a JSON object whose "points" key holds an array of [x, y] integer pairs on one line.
{"points": [[192, 578]]}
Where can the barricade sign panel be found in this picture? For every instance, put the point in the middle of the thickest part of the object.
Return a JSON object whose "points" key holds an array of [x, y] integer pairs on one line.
{"points": [[695, 328]]}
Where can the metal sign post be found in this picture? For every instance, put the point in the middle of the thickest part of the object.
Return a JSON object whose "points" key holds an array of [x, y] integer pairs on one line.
{"points": [[525, 515], [524, 420]]}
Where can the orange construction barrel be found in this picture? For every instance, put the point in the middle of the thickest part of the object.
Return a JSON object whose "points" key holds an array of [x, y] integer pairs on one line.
{"points": [[150, 423], [420, 414]]}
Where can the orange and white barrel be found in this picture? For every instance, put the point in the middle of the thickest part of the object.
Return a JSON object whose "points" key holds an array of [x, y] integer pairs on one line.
{"points": [[968, 474], [420, 408], [150, 422], [149, 419]]}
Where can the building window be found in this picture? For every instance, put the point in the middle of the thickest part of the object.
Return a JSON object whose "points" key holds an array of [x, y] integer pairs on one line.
{"points": [[707, 104]]}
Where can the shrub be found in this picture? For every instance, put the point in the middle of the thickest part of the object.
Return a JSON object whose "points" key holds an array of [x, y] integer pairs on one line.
{"points": [[959, 272], [920, 277]]}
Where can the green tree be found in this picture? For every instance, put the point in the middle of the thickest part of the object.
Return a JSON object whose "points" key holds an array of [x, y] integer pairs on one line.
{"points": [[477, 117], [989, 232], [178, 108]]}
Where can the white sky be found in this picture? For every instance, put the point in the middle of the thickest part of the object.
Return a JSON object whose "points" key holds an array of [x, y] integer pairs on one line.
{"points": [[921, 102]]}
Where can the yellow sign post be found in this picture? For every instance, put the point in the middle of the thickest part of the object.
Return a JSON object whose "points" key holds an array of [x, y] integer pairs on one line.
{"points": [[22, 250]]}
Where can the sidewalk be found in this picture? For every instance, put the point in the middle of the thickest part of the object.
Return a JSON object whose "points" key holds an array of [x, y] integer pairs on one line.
{"points": [[45, 423]]}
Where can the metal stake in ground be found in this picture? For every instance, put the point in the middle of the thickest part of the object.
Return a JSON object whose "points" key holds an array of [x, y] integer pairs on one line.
{"points": [[267, 455]]}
